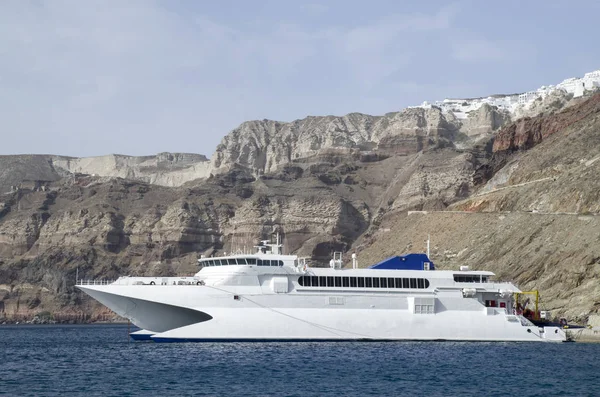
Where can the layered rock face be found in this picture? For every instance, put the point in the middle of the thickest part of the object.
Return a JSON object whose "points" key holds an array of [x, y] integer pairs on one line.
{"points": [[100, 227], [534, 222], [325, 184], [27, 167], [485, 120], [263, 146], [527, 132], [165, 169]]}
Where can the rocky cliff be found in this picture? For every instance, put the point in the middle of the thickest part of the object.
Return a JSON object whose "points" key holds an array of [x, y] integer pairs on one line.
{"points": [[165, 169], [264, 146], [534, 222], [326, 184]]}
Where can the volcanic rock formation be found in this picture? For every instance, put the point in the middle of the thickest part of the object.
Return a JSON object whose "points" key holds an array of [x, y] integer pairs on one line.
{"points": [[522, 203]]}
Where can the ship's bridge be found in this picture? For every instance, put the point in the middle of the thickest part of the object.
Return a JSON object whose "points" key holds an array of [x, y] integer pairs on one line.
{"points": [[267, 260], [266, 255]]}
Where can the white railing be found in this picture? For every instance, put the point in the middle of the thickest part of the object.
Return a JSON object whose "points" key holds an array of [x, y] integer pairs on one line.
{"points": [[143, 281], [94, 282]]}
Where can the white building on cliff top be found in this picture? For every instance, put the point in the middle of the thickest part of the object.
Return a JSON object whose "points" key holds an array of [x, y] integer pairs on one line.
{"points": [[461, 107]]}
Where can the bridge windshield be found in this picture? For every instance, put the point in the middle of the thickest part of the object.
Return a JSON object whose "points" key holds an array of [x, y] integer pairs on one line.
{"points": [[239, 261]]}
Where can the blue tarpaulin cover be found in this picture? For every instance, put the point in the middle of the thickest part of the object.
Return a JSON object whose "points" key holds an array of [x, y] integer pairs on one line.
{"points": [[404, 262]]}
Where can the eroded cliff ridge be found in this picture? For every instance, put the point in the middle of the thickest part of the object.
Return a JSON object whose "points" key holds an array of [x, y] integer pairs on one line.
{"points": [[165, 169], [496, 195], [264, 146]]}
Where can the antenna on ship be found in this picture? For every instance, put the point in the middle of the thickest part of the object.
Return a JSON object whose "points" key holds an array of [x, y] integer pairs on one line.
{"points": [[428, 238]]}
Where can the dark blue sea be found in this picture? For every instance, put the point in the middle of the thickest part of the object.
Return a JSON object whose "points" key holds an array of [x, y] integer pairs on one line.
{"points": [[99, 360]]}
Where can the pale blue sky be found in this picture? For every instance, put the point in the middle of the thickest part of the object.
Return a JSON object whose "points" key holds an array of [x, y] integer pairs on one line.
{"points": [[137, 77]]}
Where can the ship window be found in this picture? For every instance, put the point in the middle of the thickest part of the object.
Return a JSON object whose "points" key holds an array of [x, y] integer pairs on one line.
{"points": [[426, 283], [420, 283], [361, 282], [368, 282], [301, 281], [338, 281], [375, 282], [353, 282], [413, 283], [314, 281], [251, 261], [322, 281], [405, 283], [232, 261], [307, 281], [274, 262], [241, 261], [345, 281], [280, 263], [383, 282], [260, 262], [390, 282], [398, 282], [330, 281], [470, 278]]}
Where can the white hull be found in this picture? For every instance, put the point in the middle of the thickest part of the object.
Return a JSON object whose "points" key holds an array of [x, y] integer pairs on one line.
{"points": [[205, 313]]}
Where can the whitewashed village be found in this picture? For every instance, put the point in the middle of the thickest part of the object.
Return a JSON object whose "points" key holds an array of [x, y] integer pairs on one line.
{"points": [[460, 107]]}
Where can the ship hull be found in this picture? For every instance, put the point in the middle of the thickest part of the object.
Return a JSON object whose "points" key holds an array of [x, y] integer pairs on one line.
{"points": [[206, 314]]}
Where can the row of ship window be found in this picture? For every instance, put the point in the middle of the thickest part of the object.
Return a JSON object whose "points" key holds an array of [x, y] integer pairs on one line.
{"points": [[242, 261], [362, 282], [470, 278]]}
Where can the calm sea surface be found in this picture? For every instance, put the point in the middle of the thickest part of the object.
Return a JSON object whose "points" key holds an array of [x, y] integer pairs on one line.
{"points": [[100, 361]]}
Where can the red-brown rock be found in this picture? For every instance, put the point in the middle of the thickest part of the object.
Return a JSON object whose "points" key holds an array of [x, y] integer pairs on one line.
{"points": [[525, 133]]}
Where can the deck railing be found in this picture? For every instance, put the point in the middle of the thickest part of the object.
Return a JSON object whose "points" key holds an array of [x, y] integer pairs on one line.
{"points": [[143, 281], [94, 282]]}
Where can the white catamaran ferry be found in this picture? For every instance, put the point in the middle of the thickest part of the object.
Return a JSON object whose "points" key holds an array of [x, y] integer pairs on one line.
{"points": [[268, 296]]}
